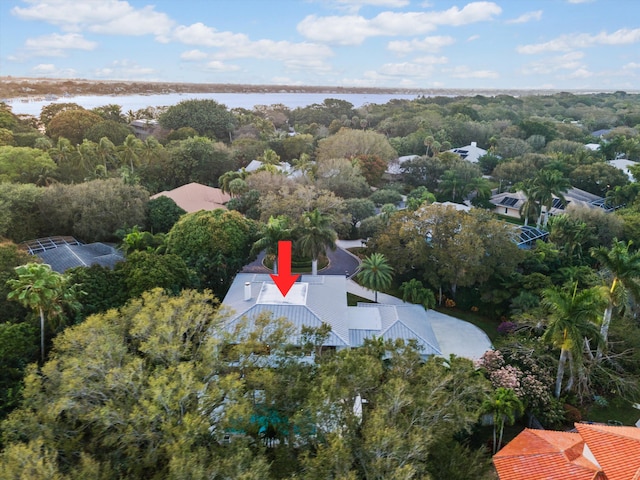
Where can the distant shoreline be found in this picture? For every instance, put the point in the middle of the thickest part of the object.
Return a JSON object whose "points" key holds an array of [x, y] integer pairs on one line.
{"points": [[26, 87]]}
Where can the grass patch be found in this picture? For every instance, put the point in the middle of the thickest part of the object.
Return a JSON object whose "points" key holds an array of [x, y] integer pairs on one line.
{"points": [[618, 410], [353, 300], [488, 326]]}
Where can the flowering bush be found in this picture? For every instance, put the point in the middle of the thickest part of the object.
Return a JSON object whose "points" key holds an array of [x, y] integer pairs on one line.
{"points": [[450, 303], [474, 309], [506, 327]]}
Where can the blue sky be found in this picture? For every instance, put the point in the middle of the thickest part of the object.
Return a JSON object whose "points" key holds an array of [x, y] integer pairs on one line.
{"points": [[558, 44]]}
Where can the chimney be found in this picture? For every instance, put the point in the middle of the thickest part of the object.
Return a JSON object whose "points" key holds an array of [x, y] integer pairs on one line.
{"points": [[474, 144], [247, 291]]}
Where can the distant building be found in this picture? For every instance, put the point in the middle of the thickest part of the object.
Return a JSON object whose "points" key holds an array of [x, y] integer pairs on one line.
{"points": [[470, 153], [509, 203], [63, 253], [394, 169], [624, 164], [143, 128], [194, 197]]}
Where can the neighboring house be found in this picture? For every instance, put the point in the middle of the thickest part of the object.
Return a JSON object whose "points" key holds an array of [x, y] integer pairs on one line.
{"points": [[143, 128], [624, 164], [509, 203], [594, 147], [394, 169], [600, 133], [470, 153], [283, 167], [194, 197], [63, 253], [594, 452], [315, 300]]}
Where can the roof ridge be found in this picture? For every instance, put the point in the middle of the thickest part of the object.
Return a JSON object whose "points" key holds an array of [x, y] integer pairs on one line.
{"points": [[397, 320]]}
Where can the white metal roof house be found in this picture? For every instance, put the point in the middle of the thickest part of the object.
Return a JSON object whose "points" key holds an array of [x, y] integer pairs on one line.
{"points": [[509, 203], [315, 300], [624, 164], [470, 153]]}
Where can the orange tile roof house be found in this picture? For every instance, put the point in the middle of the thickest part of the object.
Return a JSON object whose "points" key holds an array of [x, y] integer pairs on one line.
{"points": [[194, 197], [595, 452]]}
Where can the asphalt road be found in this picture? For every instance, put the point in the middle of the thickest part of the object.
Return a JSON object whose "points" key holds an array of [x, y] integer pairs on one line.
{"points": [[341, 262]]}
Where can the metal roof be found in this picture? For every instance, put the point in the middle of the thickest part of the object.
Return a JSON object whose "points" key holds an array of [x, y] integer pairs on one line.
{"points": [[322, 299], [63, 253]]}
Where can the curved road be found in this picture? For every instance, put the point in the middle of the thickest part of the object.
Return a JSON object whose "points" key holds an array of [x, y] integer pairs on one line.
{"points": [[341, 262]]}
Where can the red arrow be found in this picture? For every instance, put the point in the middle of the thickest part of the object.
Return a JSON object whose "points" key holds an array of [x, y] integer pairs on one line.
{"points": [[284, 280]]}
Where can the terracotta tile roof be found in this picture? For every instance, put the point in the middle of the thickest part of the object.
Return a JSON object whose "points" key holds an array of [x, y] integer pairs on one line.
{"points": [[545, 455], [194, 197], [617, 449]]}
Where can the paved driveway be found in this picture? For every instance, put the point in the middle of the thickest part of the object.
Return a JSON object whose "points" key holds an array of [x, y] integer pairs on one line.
{"points": [[341, 262]]}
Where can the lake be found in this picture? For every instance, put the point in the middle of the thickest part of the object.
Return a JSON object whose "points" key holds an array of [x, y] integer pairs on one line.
{"points": [[231, 100]]}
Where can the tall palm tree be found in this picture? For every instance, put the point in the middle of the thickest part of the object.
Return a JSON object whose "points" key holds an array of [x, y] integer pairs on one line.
{"points": [[375, 273], [549, 184], [315, 236], [572, 317], [503, 405], [623, 269], [276, 229], [530, 207], [130, 151], [44, 291], [106, 152]]}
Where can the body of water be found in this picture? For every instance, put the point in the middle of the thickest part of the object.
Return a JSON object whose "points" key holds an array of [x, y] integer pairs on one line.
{"points": [[231, 100]]}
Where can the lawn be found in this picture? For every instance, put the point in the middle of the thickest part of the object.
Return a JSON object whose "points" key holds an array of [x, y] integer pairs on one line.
{"points": [[353, 300], [488, 326], [618, 410]]}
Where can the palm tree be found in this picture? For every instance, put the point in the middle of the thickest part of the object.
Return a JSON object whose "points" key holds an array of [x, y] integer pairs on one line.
{"points": [[623, 269], [106, 152], [529, 208], [549, 184], [276, 229], [572, 317], [414, 292], [44, 291], [504, 405], [315, 236], [130, 150], [375, 273]]}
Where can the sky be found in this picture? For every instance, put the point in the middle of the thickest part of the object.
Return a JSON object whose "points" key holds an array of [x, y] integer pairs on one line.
{"points": [[502, 44]]}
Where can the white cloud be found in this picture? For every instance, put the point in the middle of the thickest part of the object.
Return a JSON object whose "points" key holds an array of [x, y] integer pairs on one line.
{"points": [[221, 67], [193, 55], [580, 73], [623, 36], [465, 72], [50, 70], [568, 61], [101, 16], [200, 34], [354, 29], [55, 45], [631, 66], [431, 60], [124, 70], [44, 68], [431, 44], [580, 1], [230, 46], [473, 38], [374, 3], [527, 17]]}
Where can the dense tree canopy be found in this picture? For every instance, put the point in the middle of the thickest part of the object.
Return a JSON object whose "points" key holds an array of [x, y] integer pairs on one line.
{"points": [[147, 392], [207, 117], [216, 244], [72, 125]]}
